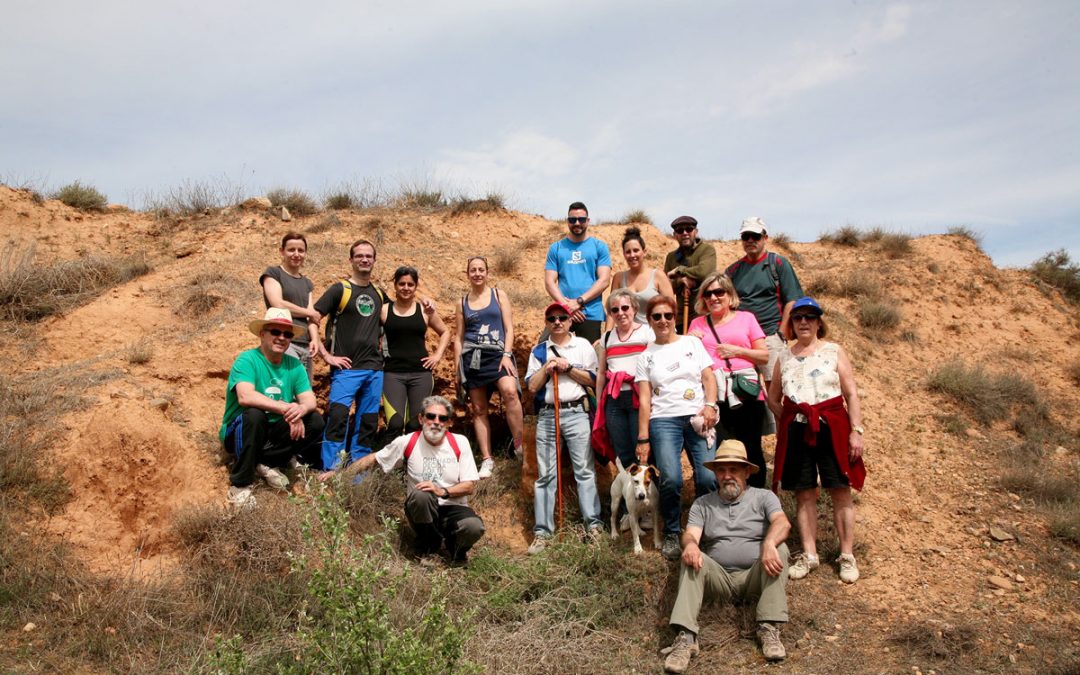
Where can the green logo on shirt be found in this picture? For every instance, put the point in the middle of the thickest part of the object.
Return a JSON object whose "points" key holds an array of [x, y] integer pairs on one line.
{"points": [[365, 306]]}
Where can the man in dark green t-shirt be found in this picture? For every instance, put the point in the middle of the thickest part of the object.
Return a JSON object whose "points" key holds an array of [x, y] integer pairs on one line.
{"points": [[270, 413]]}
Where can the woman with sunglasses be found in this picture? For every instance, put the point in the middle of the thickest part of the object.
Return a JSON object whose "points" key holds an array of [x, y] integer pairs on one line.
{"points": [[736, 344], [818, 434], [284, 286], [675, 382], [483, 344], [640, 279], [617, 353], [407, 370]]}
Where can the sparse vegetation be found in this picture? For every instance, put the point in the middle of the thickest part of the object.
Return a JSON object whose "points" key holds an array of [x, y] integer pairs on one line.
{"points": [[781, 239], [194, 197], [874, 315], [966, 232], [1056, 269], [636, 216], [844, 236], [82, 197], [986, 396], [298, 203], [860, 285], [1073, 371], [895, 244], [506, 260], [819, 285], [339, 201], [329, 222], [910, 336], [492, 203], [937, 640], [139, 352], [207, 292], [421, 199], [30, 291]]}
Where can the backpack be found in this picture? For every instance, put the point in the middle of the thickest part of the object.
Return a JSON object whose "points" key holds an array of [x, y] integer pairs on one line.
{"points": [[416, 437], [346, 295], [771, 264]]}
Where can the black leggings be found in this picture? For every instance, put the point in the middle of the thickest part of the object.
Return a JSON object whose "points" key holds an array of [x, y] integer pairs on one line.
{"points": [[402, 395]]}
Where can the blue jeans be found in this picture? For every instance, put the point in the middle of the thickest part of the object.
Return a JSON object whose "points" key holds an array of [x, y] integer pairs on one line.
{"points": [[667, 438], [575, 430], [621, 418], [364, 387]]}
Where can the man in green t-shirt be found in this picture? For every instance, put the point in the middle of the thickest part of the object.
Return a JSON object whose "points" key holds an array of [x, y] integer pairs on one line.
{"points": [[270, 413]]}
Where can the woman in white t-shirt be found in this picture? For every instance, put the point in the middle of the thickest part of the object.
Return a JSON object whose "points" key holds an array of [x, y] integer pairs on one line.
{"points": [[617, 354], [675, 382]]}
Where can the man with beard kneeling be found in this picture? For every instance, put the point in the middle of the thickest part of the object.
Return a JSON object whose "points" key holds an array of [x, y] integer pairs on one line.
{"points": [[732, 550], [441, 473]]}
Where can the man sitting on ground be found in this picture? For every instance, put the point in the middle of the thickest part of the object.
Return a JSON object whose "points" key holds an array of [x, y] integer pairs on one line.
{"points": [[732, 550], [441, 473], [270, 413]]}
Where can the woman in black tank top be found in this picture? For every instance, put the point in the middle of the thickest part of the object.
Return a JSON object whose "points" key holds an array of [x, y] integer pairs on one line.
{"points": [[407, 378]]}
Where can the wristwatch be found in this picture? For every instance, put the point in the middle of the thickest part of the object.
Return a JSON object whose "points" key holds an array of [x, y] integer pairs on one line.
{"points": [[714, 406], [580, 300], [859, 430], [446, 493]]}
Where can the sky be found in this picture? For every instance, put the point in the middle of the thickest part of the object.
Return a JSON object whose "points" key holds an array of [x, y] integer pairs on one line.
{"points": [[912, 116]]}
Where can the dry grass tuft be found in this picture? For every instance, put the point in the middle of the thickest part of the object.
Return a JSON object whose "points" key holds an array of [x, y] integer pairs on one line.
{"points": [[965, 232], [987, 396], [139, 352], [875, 315], [636, 216], [1073, 372], [819, 285], [493, 202], [1056, 269], [860, 285], [895, 244], [298, 202], [936, 640], [329, 222], [847, 235], [194, 197]]}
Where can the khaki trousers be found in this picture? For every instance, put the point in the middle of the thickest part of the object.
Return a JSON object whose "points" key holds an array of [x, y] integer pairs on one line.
{"points": [[713, 582]]}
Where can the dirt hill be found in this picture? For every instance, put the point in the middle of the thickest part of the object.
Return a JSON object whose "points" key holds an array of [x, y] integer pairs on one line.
{"points": [[941, 541]]}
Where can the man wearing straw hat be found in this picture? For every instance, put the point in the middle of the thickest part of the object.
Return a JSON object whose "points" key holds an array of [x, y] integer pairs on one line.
{"points": [[732, 550], [559, 370], [270, 413]]}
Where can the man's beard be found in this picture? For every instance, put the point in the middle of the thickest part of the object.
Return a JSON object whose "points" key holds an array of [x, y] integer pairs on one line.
{"points": [[434, 434], [730, 490]]}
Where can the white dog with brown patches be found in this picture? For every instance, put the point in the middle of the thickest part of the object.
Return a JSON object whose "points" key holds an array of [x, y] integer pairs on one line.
{"points": [[637, 486]]}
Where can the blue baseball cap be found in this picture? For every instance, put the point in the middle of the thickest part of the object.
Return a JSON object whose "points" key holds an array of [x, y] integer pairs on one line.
{"points": [[807, 302]]}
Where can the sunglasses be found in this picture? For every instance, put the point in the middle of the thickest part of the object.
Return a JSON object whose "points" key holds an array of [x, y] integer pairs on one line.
{"points": [[684, 229], [751, 236], [577, 220], [713, 293], [557, 318], [666, 316], [803, 317], [431, 417], [278, 333], [622, 308]]}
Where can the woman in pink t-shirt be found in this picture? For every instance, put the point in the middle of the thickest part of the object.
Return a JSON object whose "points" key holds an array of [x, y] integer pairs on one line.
{"points": [[736, 344]]}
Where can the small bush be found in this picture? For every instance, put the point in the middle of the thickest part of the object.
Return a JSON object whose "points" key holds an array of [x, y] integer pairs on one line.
{"points": [[299, 203], [506, 260], [1032, 479], [953, 424], [910, 336], [139, 352], [492, 203], [1073, 371], [965, 232], [876, 315], [987, 396], [933, 640], [1057, 269], [781, 239], [860, 285], [1064, 522], [331, 221], [845, 236], [194, 197], [82, 197], [422, 199], [873, 235], [339, 201], [207, 292], [820, 285], [636, 216], [895, 244]]}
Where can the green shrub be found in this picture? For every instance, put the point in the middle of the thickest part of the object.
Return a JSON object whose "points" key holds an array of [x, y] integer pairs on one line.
{"points": [[1064, 522], [82, 197], [422, 199], [844, 236], [860, 285], [876, 315], [1057, 270], [298, 203], [987, 396], [636, 216], [339, 201]]}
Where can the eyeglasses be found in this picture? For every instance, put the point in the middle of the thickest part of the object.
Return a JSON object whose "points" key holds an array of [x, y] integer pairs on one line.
{"points": [[666, 316], [684, 229], [278, 333], [557, 318], [431, 417], [622, 308], [803, 317], [713, 293], [751, 236], [581, 220]]}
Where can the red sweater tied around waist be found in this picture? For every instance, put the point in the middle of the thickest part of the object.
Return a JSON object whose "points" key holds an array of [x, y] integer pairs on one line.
{"points": [[839, 426]]}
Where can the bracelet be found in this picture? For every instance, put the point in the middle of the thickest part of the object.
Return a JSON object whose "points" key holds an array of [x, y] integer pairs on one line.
{"points": [[509, 354], [642, 440]]}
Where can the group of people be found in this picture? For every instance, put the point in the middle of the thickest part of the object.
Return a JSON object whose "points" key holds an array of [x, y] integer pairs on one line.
{"points": [[684, 358]]}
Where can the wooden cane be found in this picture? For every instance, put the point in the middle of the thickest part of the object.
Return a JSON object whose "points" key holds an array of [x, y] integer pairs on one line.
{"points": [[558, 448], [685, 308]]}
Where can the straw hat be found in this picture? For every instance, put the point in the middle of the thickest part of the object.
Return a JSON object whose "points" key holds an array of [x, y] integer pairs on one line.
{"points": [[731, 450], [275, 318]]}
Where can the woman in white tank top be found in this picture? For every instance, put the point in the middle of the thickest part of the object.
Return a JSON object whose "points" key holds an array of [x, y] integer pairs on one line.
{"points": [[640, 279]]}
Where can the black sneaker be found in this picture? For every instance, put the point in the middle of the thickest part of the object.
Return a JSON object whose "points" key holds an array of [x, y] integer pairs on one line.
{"points": [[671, 549]]}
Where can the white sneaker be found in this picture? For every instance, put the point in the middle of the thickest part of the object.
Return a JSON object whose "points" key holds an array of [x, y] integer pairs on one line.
{"points": [[539, 543], [273, 477], [801, 565], [849, 571], [241, 497], [486, 467]]}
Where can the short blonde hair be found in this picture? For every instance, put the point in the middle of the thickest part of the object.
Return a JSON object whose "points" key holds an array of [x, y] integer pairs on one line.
{"points": [[725, 285]]}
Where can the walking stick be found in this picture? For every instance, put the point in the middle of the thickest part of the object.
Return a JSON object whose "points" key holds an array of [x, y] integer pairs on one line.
{"points": [[685, 308], [558, 448]]}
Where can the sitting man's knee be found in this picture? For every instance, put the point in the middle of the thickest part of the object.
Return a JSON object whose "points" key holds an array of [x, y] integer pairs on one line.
{"points": [[471, 528]]}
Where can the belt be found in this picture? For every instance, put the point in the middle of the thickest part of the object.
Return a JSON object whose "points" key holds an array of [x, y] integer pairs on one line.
{"points": [[566, 404]]}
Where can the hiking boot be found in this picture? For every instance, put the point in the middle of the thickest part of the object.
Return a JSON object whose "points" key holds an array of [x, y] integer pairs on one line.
{"points": [[273, 477], [595, 534], [671, 549], [768, 636], [849, 571], [486, 467], [539, 543], [241, 497], [680, 652], [801, 565]]}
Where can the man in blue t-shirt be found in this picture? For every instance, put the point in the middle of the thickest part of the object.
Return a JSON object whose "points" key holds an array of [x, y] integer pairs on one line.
{"points": [[576, 272], [270, 413]]}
